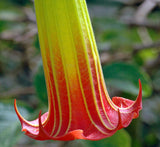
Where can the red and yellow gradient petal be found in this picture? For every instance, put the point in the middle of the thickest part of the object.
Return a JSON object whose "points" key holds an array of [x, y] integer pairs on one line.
{"points": [[79, 104]]}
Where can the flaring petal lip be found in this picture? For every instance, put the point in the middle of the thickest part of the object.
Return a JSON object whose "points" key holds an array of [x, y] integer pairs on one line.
{"points": [[79, 104], [126, 111]]}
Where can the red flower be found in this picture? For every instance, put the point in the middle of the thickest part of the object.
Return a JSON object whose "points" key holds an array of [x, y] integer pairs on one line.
{"points": [[79, 104]]}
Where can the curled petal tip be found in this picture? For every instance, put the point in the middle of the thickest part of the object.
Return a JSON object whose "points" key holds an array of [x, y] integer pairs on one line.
{"points": [[126, 103], [128, 109], [16, 110], [139, 97], [138, 103], [15, 106], [14, 101]]}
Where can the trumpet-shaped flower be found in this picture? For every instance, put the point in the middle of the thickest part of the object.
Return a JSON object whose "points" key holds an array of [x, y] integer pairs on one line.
{"points": [[79, 104]]}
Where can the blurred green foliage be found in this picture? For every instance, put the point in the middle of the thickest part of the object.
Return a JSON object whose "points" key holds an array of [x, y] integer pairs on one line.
{"points": [[40, 85], [128, 52], [125, 78], [9, 128]]}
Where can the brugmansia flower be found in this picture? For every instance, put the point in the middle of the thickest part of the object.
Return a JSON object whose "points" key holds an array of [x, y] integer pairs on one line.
{"points": [[79, 104]]}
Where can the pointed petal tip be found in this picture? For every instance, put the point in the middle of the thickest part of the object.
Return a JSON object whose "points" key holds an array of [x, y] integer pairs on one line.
{"points": [[124, 103], [17, 112], [128, 109], [15, 105], [138, 101], [14, 101], [140, 88], [24, 130]]}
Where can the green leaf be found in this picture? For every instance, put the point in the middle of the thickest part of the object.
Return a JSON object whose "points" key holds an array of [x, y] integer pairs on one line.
{"points": [[40, 85], [125, 78], [117, 34], [36, 43], [21, 2], [147, 55], [9, 125]]}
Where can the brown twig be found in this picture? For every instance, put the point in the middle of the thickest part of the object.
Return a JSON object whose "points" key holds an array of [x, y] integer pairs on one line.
{"points": [[141, 15], [147, 24], [18, 91], [107, 58], [145, 8], [146, 46]]}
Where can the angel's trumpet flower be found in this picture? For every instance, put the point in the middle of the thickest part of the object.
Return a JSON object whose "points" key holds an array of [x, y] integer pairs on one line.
{"points": [[79, 104]]}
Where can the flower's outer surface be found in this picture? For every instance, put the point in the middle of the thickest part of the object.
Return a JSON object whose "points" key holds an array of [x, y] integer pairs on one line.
{"points": [[79, 105]]}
